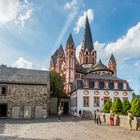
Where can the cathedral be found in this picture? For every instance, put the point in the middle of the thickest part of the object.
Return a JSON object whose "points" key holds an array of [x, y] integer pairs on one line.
{"points": [[88, 82]]}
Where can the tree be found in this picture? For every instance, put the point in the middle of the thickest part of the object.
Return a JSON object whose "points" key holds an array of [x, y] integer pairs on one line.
{"points": [[107, 106], [135, 107], [117, 106], [56, 85], [126, 106]]}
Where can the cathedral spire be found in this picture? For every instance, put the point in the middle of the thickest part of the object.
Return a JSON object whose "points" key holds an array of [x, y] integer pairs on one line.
{"points": [[70, 42], [87, 38]]}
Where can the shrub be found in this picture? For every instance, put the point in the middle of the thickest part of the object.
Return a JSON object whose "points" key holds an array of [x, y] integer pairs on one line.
{"points": [[107, 106], [117, 106], [135, 107], [126, 106]]}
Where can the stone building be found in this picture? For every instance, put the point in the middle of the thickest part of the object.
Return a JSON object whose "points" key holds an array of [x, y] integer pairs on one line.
{"points": [[88, 82], [24, 93]]}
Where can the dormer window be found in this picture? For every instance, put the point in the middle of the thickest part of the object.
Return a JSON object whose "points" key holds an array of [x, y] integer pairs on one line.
{"points": [[120, 85], [86, 52]]}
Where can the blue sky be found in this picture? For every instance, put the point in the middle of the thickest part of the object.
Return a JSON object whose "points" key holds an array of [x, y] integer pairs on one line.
{"points": [[31, 30]]}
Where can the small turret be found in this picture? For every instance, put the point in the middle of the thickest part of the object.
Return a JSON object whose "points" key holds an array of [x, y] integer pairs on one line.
{"points": [[112, 64]]}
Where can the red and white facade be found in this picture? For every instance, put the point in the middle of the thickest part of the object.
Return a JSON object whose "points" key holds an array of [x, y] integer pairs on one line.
{"points": [[88, 82]]}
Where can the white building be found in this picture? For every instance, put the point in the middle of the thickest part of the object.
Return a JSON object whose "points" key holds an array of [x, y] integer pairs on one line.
{"points": [[94, 82]]}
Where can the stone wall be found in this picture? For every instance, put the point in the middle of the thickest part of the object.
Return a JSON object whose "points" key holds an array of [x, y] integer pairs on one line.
{"points": [[18, 95], [124, 122], [53, 106]]}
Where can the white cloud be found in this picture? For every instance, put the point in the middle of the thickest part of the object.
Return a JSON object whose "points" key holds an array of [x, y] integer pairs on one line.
{"points": [[81, 21], [73, 12], [127, 46], [70, 5], [14, 11], [78, 50], [22, 63]]}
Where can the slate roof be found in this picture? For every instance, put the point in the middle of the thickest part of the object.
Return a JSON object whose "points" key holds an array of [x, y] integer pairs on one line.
{"points": [[61, 50], [53, 57], [101, 77], [70, 41], [99, 66], [87, 38], [23, 76], [57, 52], [112, 58], [80, 69]]}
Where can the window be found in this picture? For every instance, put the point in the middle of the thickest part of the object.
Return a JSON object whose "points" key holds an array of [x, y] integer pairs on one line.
{"points": [[80, 84], [93, 60], [96, 101], [91, 84], [125, 98], [3, 90], [115, 98], [86, 60], [106, 99], [120, 85], [86, 101], [111, 85], [101, 84], [71, 53]]}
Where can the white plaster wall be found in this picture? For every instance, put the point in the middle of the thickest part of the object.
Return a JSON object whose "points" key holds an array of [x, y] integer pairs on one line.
{"points": [[80, 94]]}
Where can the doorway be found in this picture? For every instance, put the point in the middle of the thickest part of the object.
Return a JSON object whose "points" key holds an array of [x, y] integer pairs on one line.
{"points": [[66, 108], [3, 110]]}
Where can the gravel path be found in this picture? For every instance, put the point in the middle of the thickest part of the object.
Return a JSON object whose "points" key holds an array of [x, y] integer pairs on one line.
{"points": [[67, 129]]}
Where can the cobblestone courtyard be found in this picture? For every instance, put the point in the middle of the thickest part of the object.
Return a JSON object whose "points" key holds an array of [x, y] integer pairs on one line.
{"points": [[67, 129]]}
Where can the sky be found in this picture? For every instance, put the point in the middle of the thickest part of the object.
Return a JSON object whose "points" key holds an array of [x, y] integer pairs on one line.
{"points": [[31, 31]]}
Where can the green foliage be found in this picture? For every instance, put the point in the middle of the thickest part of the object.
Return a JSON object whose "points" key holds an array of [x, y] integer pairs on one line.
{"points": [[107, 106], [117, 106], [135, 107], [56, 85], [126, 106]]}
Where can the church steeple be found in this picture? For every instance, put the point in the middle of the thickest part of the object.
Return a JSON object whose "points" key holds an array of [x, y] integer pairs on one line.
{"points": [[70, 42], [87, 38], [87, 54], [70, 63]]}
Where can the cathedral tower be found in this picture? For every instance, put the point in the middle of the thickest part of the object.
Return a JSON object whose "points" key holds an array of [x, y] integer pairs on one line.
{"points": [[87, 54], [70, 63], [112, 64]]}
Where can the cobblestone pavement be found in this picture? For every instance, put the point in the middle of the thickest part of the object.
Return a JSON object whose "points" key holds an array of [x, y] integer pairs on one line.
{"points": [[66, 129]]}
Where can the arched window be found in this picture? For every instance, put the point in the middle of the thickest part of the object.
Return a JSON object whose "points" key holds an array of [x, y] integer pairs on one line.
{"points": [[92, 59], [71, 53], [120, 85], [101, 84], [111, 85], [86, 52], [86, 60]]}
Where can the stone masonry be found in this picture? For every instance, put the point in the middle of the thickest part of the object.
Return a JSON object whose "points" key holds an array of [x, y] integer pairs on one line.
{"points": [[24, 93]]}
